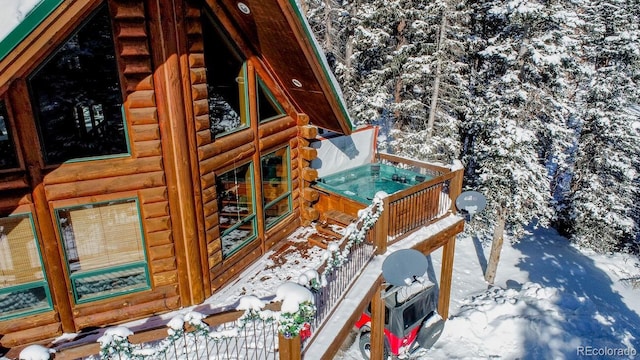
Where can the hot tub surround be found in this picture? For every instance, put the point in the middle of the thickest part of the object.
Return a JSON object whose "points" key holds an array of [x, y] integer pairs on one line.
{"points": [[361, 183]]}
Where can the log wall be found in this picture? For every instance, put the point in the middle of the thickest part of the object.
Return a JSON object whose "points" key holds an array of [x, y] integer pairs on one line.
{"points": [[216, 156], [142, 173]]}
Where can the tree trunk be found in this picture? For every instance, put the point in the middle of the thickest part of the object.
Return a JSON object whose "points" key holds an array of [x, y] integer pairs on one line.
{"points": [[436, 82], [397, 91], [328, 28], [496, 246]]}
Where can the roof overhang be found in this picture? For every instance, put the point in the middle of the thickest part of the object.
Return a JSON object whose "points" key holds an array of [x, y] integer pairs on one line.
{"points": [[278, 33]]}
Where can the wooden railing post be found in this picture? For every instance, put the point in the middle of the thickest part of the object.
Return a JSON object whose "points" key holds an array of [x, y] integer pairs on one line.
{"points": [[382, 229], [289, 348], [377, 323], [455, 187]]}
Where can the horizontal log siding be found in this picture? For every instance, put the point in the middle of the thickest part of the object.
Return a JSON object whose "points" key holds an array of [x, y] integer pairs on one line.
{"points": [[141, 172], [220, 155]]}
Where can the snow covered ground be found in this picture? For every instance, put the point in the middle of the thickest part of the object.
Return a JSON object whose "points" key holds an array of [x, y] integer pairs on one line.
{"points": [[551, 300]]}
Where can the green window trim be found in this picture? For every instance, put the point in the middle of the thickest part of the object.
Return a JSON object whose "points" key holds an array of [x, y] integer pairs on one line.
{"points": [[261, 86], [254, 226], [127, 140], [249, 219], [27, 25], [75, 279], [44, 284], [90, 118], [286, 195], [244, 111], [76, 276], [218, 45]]}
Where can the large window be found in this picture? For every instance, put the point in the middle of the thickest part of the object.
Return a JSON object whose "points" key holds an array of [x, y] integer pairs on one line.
{"points": [[23, 285], [77, 97], [276, 185], [104, 249], [8, 158], [237, 208], [268, 107], [226, 81]]}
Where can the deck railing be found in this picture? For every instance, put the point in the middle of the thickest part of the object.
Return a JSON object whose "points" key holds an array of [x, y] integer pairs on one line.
{"points": [[221, 336], [420, 205], [337, 282]]}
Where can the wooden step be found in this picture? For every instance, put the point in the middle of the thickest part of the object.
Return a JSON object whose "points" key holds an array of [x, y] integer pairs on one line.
{"points": [[318, 240], [328, 231], [337, 217]]}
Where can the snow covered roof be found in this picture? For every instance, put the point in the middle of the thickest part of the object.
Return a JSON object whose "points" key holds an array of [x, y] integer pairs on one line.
{"points": [[19, 17]]}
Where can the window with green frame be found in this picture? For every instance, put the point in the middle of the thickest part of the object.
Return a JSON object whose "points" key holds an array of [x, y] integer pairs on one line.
{"points": [[8, 156], [237, 208], [104, 249], [226, 80], [276, 185], [268, 107], [23, 283], [77, 97]]}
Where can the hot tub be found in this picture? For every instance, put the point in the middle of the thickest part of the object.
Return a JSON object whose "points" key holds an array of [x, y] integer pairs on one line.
{"points": [[360, 184]]}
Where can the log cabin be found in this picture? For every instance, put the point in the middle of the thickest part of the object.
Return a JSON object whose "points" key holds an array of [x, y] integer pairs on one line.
{"points": [[150, 150]]}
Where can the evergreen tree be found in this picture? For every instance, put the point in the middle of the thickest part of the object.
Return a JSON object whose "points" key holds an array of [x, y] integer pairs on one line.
{"points": [[602, 210], [518, 126]]}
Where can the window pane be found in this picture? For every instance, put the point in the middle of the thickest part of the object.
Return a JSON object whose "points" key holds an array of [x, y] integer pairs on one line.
{"points": [[237, 208], [77, 96], [100, 241], [268, 107], [276, 190], [225, 81], [110, 283], [23, 287], [8, 158]]}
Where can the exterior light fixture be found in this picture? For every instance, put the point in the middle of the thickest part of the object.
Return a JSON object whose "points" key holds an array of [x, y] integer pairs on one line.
{"points": [[244, 8]]}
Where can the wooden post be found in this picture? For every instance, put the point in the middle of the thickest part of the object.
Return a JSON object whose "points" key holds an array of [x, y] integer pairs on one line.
{"points": [[53, 262], [164, 22], [496, 246], [289, 349], [446, 274], [455, 187], [382, 229], [377, 323], [448, 251]]}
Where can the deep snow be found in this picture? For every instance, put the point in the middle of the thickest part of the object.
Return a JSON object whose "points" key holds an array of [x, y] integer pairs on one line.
{"points": [[550, 300]]}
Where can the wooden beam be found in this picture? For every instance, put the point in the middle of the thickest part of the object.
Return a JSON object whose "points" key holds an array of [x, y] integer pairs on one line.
{"points": [[53, 263], [165, 24], [290, 348], [446, 274], [377, 323]]}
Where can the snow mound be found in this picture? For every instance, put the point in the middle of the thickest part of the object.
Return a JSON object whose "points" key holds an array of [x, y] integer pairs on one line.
{"points": [[292, 295], [36, 352], [250, 302], [114, 334]]}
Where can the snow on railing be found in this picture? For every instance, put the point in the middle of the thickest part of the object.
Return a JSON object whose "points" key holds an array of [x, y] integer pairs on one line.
{"points": [[253, 335]]}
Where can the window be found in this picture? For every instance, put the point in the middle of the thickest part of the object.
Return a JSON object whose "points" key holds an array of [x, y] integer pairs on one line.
{"points": [[276, 185], [23, 285], [268, 107], [104, 249], [77, 97], [8, 158], [226, 81], [237, 208]]}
